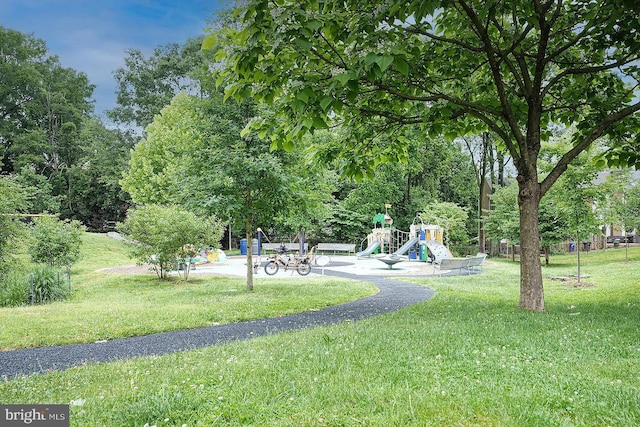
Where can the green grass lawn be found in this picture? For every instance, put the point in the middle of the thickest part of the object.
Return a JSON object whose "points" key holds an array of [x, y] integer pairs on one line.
{"points": [[108, 306], [467, 357]]}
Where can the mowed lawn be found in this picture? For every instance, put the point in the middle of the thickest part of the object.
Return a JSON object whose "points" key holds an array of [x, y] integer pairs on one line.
{"points": [[466, 357], [106, 306]]}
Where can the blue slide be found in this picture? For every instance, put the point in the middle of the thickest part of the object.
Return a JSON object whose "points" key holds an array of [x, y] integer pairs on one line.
{"points": [[397, 257], [372, 247], [405, 248]]}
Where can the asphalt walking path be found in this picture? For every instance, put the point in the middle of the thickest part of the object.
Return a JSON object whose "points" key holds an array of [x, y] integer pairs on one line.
{"points": [[393, 295]]}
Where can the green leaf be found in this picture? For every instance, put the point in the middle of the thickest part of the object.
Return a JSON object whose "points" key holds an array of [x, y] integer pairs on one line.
{"points": [[220, 80], [288, 145], [209, 41], [302, 96], [343, 78], [298, 106], [314, 24], [319, 123], [352, 95], [384, 61], [370, 59], [325, 104], [246, 91], [307, 122], [401, 65], [304, 44]]}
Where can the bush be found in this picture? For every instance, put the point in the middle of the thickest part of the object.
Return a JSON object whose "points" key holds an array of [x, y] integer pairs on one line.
{"points": [[47, 285], [165, 234], [54, 242], [14, 290], [13, 201], [44, 284]]}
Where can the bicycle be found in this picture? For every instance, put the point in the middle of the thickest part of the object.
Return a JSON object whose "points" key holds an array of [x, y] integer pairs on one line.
{"points": [[292, 262]]}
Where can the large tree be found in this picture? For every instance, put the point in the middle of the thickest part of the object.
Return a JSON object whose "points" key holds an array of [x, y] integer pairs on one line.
{"points": [[21, 63], [148, 84], [42, 106], [455, 67], [96, 197], [194, 156]]}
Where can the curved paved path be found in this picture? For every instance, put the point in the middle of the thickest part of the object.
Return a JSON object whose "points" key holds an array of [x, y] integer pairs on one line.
{"points": [[392, 296]]}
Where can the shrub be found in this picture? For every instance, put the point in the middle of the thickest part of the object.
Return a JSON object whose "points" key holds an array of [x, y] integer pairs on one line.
{"points": [[54, 242], [44, 284], [47, 285], [13, 201], [14, 290], [163, 235]]}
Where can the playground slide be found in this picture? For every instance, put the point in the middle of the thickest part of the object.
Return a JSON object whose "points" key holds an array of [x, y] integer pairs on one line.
{"points": [[372, 247], [405, 248], [438, 250]]}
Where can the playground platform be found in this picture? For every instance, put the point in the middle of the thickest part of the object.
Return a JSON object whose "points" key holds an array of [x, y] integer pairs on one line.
{"points": [[349, 264]]}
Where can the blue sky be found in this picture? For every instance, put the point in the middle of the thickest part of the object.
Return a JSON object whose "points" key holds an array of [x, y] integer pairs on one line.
{"points": [[92, 35]]}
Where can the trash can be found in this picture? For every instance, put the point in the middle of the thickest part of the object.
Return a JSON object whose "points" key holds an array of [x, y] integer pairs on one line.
{"points": [[412, 252], [243, 246], [616, 243], [254, 246], [586, 246], [572, 247]]}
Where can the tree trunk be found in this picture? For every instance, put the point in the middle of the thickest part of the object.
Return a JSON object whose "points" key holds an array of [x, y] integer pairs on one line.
{"points": [[483, 178], [248, 236], [531, 289], [500, 180], [547, 254], [482, 241]]}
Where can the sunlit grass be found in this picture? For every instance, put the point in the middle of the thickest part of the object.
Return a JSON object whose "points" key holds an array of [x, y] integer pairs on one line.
{"points": [[108, 306], [467, 357]]}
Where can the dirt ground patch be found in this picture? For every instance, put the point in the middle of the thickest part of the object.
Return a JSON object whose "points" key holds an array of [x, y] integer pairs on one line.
{"points": [[128, 269], [572, 280], [148, 269]]}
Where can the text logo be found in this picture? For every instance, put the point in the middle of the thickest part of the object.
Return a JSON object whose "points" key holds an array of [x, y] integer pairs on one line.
{"points": [[34, 415]]}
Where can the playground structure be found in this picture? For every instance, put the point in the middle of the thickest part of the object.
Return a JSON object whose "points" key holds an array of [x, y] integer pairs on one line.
{"points": [[423, 242]]}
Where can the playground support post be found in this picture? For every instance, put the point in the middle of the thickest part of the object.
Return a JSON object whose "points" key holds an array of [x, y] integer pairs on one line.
{"points": [[259, 242]]}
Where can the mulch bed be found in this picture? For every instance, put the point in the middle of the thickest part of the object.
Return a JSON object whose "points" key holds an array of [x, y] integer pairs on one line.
{"points": [[572, 280]]}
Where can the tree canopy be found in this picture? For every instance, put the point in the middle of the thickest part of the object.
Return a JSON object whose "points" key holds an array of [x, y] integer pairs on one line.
{"points": [[453, 67], [51, 142], [42, 105], [148, 84], [194, 156]]}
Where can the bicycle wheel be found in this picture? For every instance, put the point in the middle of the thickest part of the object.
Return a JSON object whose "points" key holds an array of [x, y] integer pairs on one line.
{"points": [[304, 269], [271, 268]]}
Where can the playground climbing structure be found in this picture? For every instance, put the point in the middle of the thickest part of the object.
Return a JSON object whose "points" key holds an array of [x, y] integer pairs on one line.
{"points": [[423, 242]]}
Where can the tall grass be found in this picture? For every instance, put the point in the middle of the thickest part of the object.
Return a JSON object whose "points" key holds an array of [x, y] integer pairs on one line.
{"points": [[467, 357], [14, 289]]}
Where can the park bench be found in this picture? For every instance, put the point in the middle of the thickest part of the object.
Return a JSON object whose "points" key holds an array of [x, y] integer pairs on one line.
{"points": [[469, 264], [476, 262], [275, 247], [336, 247], [451, 264]]}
